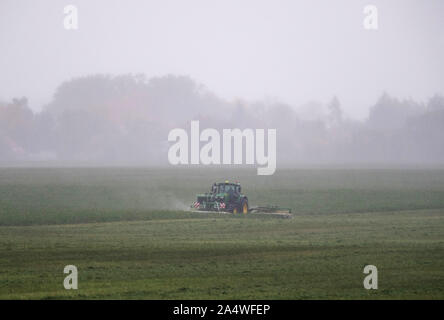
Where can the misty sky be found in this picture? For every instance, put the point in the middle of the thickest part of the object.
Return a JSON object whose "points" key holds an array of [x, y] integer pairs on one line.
{"points": [[295, 51]]}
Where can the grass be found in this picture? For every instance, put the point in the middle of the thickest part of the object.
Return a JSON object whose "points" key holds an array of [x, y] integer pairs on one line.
{"points": [[125, 231]]}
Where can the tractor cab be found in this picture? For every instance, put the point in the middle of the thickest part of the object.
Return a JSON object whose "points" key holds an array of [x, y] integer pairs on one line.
{"points": [[227, 187], [224, 196]]}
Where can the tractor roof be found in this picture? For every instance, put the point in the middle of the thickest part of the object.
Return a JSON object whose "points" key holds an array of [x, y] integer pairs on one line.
{"points": [[227, 182]]}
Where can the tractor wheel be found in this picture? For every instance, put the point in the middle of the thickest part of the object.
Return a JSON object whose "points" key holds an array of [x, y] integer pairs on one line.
{"points": [[233, 209], [244, 206]]}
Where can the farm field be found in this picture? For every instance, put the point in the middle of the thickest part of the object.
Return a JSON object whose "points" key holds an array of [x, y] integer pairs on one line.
{"points": [[130, 235]]}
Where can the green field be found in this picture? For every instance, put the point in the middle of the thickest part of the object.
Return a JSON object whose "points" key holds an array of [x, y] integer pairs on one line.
{"points": [[129, 234]]}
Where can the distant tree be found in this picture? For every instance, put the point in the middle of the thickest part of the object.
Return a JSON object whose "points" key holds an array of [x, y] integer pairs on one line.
{"points": [[16, 128], [335, 112], [436, 103], [391, 114]]}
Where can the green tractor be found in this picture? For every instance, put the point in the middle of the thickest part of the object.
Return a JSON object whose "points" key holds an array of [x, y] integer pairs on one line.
{"points": [[224, 197]]}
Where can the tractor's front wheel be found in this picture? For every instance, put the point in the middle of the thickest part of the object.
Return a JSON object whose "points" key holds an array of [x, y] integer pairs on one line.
{"points": [[233, 208], [244, 206]]}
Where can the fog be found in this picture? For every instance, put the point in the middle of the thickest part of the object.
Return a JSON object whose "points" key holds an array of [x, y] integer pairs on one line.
{"points": [[109, 92], [121, 119]]}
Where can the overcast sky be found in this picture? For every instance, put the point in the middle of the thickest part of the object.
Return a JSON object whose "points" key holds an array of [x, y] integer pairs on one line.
{"points": [[295, 51]]}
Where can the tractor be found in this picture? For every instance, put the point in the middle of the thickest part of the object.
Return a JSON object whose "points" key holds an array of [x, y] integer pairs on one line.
{"points": [[224, 197], [227, 197]]}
